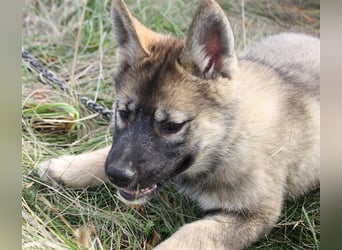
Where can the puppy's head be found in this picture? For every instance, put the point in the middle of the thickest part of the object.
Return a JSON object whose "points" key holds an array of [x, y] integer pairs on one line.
{"points": [[168, 109]]}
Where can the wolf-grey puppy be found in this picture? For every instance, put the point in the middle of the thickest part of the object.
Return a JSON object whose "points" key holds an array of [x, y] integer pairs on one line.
{"points": [[238, 134]]}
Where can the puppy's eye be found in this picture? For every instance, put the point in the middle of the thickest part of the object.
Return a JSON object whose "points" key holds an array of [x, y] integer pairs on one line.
{"points": [[124, 114], [171, 127]]}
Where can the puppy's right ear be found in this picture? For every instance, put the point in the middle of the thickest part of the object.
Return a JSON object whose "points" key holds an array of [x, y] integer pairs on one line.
{"points": [[209, 49], [132, 37]]}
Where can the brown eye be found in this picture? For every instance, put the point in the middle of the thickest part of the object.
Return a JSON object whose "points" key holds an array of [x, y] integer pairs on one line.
{"points": [[124, 114], [171, 127]]}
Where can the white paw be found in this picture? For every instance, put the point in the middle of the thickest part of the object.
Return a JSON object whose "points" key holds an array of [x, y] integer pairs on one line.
{"points": [[201, 234], [75, 171], [57, 170]]}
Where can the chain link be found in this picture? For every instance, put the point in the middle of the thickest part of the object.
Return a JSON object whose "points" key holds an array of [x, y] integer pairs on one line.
{"points": [[48, 77]]}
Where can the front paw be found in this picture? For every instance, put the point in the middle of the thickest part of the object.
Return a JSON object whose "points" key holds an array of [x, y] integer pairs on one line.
{"points": [[57, 171], [202, 234], [76, 171]]}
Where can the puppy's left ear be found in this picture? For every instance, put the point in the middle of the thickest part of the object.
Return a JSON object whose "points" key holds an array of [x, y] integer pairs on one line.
{"points": [[209, 49], [133, 38]]}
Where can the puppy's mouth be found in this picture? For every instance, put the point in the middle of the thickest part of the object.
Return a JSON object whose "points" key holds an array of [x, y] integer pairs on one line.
{"points": [[143, 195], [139, 196]]}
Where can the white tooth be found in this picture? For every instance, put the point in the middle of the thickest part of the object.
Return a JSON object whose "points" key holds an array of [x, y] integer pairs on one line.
{"points": [[146, 190]]}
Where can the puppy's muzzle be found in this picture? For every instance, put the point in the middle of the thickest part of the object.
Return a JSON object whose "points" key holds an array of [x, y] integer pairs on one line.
{"points": [[119, 176]]}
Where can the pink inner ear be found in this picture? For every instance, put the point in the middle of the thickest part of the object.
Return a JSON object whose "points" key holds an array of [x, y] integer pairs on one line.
{"points": [[213, 49]]}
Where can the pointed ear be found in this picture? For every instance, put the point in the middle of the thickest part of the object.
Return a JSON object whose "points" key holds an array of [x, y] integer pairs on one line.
{"points": [[209, 49], [132, 37]]}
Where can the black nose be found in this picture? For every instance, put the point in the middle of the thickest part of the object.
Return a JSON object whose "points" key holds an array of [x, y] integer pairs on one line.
{"points": [[121, 177]]}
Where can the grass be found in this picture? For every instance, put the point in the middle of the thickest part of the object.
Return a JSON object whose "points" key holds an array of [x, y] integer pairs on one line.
{"points": [[62, 218]]}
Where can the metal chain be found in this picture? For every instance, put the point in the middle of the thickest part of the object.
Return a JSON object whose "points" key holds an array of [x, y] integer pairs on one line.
{"points": [[48, 77]]}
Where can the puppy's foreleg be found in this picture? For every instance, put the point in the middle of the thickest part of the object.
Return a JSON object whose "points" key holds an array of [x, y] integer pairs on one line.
{"points": [[76, 171], [226, 231]]}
